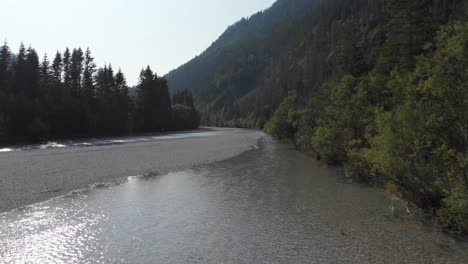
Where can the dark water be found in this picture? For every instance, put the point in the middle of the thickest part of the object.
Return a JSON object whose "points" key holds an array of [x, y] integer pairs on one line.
{"points": [[271, 205], [89, 142]]}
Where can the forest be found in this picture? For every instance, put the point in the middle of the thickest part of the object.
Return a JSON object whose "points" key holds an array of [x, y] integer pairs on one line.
{"points": [[378, 86], [69, 96], [394, 111]]}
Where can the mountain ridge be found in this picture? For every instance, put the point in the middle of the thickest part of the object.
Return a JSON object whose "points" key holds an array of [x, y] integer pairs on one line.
{"points": [[229, 69]]}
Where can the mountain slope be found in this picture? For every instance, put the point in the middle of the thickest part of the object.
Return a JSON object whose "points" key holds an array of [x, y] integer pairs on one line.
{"points": [[233, 65], [295, 45]]}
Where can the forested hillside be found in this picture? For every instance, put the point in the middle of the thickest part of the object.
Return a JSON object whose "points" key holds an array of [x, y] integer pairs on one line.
{"points": [[70, 97], [238, 62], [380, 86]]}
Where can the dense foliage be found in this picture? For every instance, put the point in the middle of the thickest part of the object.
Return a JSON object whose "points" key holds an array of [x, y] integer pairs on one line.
{"points": [[380, 86], [184, 113], [70, 97], [396, 113]]}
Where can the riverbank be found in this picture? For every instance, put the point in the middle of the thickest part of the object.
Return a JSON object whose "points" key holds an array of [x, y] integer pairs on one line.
{"points": [[36, 175], [268, 205]]}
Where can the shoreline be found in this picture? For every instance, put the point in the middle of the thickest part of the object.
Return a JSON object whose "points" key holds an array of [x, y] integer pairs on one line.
{"points": [[22, 143], [37, 175]]}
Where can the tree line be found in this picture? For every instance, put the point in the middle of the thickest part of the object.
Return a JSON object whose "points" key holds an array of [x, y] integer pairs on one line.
{"points": [[69, 96], [394, 113]]}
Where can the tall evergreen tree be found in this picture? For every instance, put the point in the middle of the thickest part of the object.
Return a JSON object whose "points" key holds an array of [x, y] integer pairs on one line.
{"points": [[57, 68], [67, 69], [143, 116], [153, 103], [124, 102], [45, 71], [89, 90], [5, 82], [5, 65], [88, 76], [164, 103], [20, 71], [32, 73], [76, 70], [410, 25]]}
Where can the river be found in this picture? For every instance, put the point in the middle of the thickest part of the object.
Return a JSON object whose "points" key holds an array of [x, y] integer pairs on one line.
{"points": [[268, 205]]}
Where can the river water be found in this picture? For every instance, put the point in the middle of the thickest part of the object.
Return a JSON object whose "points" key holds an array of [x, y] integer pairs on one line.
{"points": [[269, 205], [108, 141]]}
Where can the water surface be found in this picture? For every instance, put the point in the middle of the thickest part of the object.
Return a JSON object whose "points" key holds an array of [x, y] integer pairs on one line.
{"points": [[89, 142], [270, 205]]}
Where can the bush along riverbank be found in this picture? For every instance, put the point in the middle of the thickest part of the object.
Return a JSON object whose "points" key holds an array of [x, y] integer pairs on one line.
{"points": [[402, 127]]}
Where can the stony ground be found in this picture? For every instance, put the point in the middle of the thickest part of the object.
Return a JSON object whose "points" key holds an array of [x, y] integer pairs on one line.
{"points": [[36, 175]]}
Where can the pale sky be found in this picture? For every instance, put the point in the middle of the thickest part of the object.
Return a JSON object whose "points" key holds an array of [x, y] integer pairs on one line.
{"points": [[130, 34]]}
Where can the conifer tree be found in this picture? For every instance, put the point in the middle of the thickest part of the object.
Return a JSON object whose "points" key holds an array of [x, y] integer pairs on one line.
{"points": [[57, 68], [32, 73], [5, 64], [20, 71], [5, 82], [410, 25], [76, 69], [67, 69], [88, 76], [124, 103]]}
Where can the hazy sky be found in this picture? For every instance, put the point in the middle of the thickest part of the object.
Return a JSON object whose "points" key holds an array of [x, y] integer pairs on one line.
{"points": [[128, 33]]}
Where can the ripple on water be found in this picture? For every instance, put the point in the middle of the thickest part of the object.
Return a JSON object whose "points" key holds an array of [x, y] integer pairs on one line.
{"points": [[269, 205], [50, 233]]}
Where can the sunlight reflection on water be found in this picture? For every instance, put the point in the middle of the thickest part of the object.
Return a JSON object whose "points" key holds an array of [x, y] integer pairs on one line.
{"points": [[51, 234], [269, 205], [103, 142]]}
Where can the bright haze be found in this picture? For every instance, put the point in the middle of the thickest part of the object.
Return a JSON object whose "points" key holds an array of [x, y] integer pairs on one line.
{"points": [[130, 34]]}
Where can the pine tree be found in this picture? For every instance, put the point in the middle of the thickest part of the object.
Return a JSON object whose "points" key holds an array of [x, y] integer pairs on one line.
{"points": [[46, 77], [55, 98], [67, 69], [164, 112], [121, 83], [57, 68], [76, 70], [45, 70], [20, 71], [149, 113], [410, 25], [89, 90], [88, 76], [349, 54], [5, 64], [32, 73], [5, 82], [124, 103]]}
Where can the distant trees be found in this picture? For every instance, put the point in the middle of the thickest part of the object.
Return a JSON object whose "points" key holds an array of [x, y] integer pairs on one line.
{"points": [[183, 111], [224, 77], [410, 24], [183, 98], [70, 97], [147, 109], [112, 102]]}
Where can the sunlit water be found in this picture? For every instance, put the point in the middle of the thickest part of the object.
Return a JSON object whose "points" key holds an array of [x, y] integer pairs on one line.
{"points": [[108, 141], [270, 205]]}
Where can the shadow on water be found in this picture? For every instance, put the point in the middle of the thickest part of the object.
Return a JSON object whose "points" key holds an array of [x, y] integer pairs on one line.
{"points": [[90, 142], [268, 205]]}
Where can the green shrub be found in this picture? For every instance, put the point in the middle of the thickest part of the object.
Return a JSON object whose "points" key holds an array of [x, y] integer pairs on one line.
{"points": [[281, 126], [454, 215]]}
